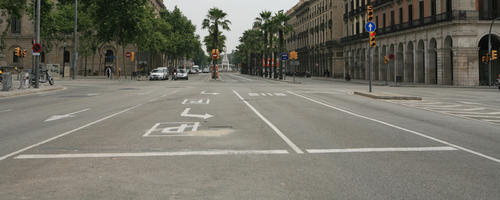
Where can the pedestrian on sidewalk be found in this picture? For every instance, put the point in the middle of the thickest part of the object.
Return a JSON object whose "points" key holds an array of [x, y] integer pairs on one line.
{"points": [[347, 77]]}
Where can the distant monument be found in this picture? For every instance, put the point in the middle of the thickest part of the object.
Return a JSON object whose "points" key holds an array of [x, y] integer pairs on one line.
{"points": [[225, 62]]}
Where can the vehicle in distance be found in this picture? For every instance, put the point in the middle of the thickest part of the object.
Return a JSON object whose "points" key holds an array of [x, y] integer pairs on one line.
{"points": [[159, 74], [181, 74], [206, 70]]}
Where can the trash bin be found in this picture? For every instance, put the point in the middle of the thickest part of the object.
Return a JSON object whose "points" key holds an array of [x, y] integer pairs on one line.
{"points": [[6, 81]]}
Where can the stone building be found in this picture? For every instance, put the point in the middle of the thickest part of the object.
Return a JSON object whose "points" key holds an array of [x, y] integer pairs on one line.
{"points": [[431, 41], [318, 28], [21, 35]]}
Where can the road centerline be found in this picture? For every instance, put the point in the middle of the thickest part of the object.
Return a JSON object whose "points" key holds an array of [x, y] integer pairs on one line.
{"points": [[271, 125], [400, 128]]}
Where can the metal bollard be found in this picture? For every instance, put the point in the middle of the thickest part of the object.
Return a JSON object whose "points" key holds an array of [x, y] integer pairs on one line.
{"points": [[7, 81]]}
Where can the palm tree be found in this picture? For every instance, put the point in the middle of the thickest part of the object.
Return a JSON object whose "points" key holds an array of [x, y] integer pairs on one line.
{"points": [[281, 22], [215, 18], [263, 23]]}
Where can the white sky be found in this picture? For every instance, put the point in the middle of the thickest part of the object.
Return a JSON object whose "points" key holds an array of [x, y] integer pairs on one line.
{"points": [[240, 12]]}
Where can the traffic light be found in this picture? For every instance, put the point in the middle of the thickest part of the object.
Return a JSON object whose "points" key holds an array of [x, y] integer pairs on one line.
{"points": [[294, 55], [369, 13], [386, 60], [132, 56], [494, 54], [17, 52], [24, 53], [373, 39], [218, 53]]}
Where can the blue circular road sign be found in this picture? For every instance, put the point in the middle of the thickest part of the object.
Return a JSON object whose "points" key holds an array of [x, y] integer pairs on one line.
{"points": [[370, 27]]}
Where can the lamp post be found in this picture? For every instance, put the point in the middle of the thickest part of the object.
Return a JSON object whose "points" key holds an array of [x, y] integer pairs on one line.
{"points": [[64, 57], [75, 54]]}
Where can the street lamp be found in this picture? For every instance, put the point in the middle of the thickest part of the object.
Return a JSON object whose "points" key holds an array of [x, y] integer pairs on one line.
{"points": [[64, 57]]}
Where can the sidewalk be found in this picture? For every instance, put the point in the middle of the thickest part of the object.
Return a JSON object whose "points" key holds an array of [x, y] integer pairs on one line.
{"points": [[392, 84], [44, 88]]}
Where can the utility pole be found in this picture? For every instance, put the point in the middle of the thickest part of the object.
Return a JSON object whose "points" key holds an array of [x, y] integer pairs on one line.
{"points": [[37, 58], [75, 53]]}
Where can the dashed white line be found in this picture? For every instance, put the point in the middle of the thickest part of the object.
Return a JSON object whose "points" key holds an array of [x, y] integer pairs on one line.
{"points": [[154, 154], [8, 110], [401, 128], [276, 130], [368, 150]]}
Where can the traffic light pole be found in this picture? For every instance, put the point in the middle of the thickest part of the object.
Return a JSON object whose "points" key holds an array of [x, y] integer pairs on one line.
{"points": [[370, 70], [37, 58]]}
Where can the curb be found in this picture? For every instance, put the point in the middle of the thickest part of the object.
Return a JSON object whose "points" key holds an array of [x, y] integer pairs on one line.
{"points": [[387, 97], [31, 92]]}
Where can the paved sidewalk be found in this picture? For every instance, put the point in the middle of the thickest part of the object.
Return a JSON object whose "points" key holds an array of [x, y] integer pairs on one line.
{"points": [[16, 91]]}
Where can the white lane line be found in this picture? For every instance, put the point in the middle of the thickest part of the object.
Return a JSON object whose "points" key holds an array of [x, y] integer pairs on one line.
{"points": [[8, 110], [276, 130], [452, 109], [154, 154], [246, 79], [481, 116], [444, 106], [68, 132], [494, 121], [401, 128], [473, 113], [368, 150]]}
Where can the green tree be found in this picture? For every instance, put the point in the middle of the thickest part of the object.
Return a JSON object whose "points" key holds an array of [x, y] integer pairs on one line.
{"points": [[120, 21], [14, 9], [281, 24], [263, 23], [183, 41], [215, 18]]}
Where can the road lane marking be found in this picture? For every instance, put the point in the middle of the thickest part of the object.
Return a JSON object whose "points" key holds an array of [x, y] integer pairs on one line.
{"points": [[205, 93], [368, 150], [172, 128], [69, 115], [401, 128], [155, 154], [246, 79], [196, 101], [186, 114], [276, 130], [68, 132], [8, 110]]}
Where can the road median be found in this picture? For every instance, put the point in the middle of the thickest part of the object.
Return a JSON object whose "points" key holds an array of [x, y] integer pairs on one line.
{"points": [[387, 96]]}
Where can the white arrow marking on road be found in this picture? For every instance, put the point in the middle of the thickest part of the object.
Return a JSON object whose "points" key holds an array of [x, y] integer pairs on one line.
{"points": [[186, 114], [205, 92], [58, 117]]}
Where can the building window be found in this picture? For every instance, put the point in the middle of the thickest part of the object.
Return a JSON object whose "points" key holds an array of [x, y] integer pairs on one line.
{"points": [[410, 14], [392, 17], [489, 9], [66, 57], [383, 20], [376, 21], [15, 25], [400, 15], [433, 7], [421, 10]]}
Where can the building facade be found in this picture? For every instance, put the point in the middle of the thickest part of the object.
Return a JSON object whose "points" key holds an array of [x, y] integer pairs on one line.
{"points": [[21, 35], [318, 29], [427, 41]]}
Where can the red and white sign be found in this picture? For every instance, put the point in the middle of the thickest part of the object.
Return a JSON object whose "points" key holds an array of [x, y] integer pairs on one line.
{"points": [[37, 48], [128, 54]]}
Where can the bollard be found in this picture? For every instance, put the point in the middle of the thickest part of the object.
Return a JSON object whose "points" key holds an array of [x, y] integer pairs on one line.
{"points": [[6, 81]]}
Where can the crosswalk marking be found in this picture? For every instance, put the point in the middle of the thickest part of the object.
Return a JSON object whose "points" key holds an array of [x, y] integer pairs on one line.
{"points": [[468, 110]]}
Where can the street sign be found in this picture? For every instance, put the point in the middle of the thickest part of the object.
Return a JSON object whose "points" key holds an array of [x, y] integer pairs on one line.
{"points": [[128, 54], [37, 48], [370, 27], [284, 56], [36, 54]]}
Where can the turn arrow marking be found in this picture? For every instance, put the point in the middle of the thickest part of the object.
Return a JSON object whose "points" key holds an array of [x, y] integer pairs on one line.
{"points": [[58, 117], [186, 114], [205, 92]]}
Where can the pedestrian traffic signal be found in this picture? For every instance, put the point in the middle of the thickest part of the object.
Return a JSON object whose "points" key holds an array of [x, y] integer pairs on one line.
{"points": [[294, 55], [373, 39], [17, 52], [494, 54], [369, 14], [24, 53], [386, 60]]}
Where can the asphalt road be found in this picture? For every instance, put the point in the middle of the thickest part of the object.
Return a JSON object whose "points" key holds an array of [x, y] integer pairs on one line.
{"points": [[244, 137]]}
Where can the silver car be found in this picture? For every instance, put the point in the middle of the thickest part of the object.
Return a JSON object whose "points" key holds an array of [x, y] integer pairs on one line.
{"points": [[181, 74], [159, 74]]}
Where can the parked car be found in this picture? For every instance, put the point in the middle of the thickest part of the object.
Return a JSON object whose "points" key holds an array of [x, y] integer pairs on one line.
{"points": [[181, 74], [193, 71], [206, 70], [159, 74]]}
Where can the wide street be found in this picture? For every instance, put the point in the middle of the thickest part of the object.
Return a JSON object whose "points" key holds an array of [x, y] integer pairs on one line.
{"points": [[246, 137]]}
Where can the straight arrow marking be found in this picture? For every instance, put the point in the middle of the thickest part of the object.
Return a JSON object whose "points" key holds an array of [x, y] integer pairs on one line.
{"points": [[186, 114], [58, 117]]}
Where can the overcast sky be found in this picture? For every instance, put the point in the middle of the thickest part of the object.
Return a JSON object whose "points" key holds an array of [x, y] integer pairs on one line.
{"points": [[241, 13]]}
